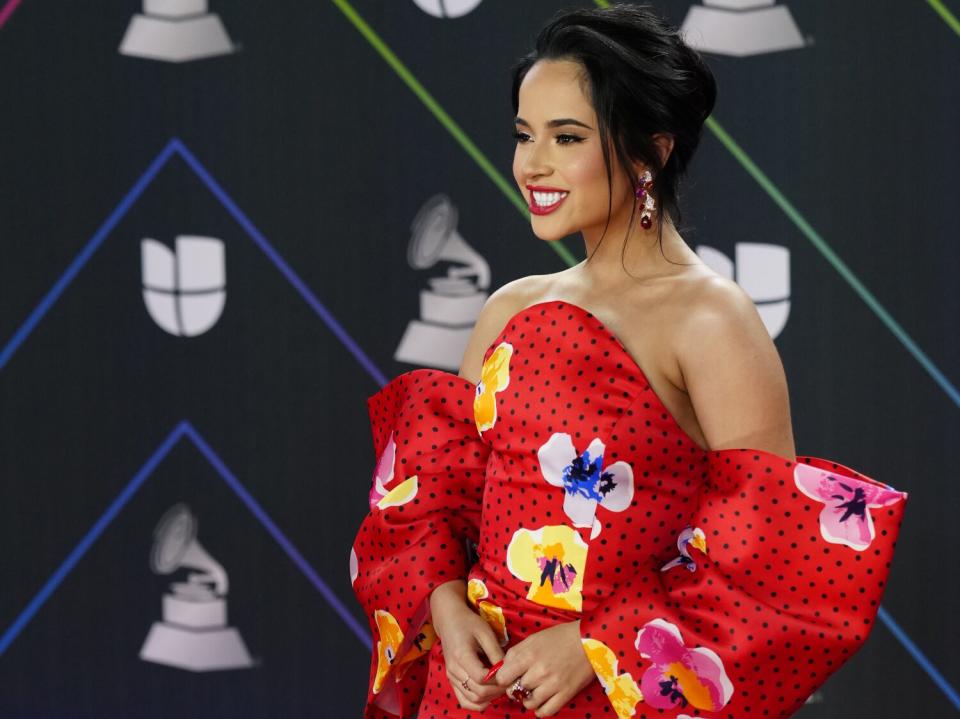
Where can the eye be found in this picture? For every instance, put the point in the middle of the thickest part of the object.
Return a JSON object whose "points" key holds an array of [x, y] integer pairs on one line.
{"points": [[568, 139], [520, 137]]}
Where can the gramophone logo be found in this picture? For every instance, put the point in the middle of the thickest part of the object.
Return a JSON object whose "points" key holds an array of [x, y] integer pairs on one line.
{"points": [[175, 31], [449, 309], [193, 634], [447, 8], [763, 271], [184, 290], [741, 27]]}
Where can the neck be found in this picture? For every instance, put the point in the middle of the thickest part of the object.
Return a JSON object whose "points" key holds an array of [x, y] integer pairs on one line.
{"points": [[640, 259]]}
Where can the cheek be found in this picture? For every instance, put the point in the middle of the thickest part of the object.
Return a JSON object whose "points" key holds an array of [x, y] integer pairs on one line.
{"points": [[517, 167], [588, 175]]}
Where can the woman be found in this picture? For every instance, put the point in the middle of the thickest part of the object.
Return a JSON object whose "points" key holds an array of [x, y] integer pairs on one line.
{"points": [[646, 538]]}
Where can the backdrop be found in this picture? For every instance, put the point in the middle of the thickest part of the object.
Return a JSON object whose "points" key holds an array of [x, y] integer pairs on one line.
{"points": [[224, 227]]}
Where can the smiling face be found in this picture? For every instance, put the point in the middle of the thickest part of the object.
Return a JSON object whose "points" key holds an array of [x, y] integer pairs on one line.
{"points": [[558, 163]]}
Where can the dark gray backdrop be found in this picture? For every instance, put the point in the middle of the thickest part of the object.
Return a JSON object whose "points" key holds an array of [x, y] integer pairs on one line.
{"points": [[308, 155]]}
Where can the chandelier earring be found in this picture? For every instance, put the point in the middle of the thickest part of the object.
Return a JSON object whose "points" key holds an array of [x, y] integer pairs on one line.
{"points": [[643, 193]]}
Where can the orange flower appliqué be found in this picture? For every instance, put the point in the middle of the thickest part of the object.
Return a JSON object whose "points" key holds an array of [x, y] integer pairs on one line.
{"points": [[621, 689], [494, 377], [390, 639], [478, 596]]}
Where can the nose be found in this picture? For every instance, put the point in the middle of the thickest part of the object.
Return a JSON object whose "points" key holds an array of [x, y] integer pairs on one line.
{"points": [[536, 161]]}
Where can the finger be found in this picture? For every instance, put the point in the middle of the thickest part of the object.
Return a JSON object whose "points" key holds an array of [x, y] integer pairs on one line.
{"points": [[465, 701], [490, 645], [473, 690], [538, 694], [553, 705], [456, 677], [513, 668]]}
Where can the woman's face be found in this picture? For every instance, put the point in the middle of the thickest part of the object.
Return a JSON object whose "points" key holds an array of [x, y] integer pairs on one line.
{"points": [[558, 162]]}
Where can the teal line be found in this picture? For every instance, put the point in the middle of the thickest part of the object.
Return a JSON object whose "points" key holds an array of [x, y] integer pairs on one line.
{"points": [[438, 112], [944, 12], [839, 265], [832, 257]]}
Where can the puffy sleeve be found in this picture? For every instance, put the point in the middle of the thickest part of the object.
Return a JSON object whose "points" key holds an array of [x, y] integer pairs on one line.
{"points": [[424, 500], [774, 583]]}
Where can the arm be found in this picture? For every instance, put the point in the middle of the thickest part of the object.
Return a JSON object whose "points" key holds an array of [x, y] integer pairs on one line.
{"points": [[733, 373]]}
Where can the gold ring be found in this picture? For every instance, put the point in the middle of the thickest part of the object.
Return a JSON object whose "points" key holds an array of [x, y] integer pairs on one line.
{"points": [[464, 682]]}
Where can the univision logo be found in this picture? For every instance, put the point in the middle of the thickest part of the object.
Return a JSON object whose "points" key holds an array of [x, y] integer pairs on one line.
{"points": [[763, 271], [184, 289]]}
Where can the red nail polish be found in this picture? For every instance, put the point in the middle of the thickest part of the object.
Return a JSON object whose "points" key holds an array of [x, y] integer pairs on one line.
{"points": [[493, 670]]}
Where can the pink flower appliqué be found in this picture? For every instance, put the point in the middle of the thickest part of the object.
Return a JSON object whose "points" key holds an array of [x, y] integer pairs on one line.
{"points": [[680, 676], [383, 473], [846, 517]]}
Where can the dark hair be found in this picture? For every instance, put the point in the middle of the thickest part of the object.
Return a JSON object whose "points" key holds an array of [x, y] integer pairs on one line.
{"points": [[642, 79]]}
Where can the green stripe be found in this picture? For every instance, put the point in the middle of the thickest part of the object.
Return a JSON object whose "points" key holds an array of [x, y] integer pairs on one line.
{"points": [[811, 234], [438, 112], [948, 17]]}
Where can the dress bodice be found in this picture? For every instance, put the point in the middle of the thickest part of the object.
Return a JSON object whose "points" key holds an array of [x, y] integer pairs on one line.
{"points": [[586, 501], [576, 420]]}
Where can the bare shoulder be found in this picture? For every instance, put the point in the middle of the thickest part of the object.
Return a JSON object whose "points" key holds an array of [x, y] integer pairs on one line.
{"points": [[731, 369], [503, 304], [720, 307]]}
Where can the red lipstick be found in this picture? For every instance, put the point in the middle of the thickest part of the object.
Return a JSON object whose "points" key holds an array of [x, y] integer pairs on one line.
{"points": [[544, 200]]}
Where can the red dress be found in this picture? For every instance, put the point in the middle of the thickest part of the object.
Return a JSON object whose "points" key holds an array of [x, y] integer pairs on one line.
{"points": [[725, 583]]}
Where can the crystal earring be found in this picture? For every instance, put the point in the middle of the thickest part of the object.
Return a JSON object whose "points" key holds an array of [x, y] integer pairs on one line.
{"points": [[643, 192]]}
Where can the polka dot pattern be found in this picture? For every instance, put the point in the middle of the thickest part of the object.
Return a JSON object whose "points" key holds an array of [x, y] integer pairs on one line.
{"points": [[774, 596]]}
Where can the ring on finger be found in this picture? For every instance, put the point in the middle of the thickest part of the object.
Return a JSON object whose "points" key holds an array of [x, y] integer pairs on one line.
{"points": [[518, 692], [465, 682]]}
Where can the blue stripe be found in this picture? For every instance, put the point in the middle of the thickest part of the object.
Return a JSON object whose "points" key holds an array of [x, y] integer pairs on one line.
{"points": [[280, 537], [77, 554], [81, 259], [920, 658], [281, 264], [182, 429]]}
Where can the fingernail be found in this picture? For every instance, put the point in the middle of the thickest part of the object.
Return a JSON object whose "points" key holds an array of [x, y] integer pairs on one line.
{"points": [[493, 670]]}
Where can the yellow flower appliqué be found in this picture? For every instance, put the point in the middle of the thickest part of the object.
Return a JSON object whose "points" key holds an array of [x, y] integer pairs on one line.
{"points": [[477, 595], [552, 559], [621, 689], [494, 377], [401, 494]]}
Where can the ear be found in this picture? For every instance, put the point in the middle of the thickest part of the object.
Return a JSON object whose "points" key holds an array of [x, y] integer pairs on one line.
{"points": [[664, 143]]}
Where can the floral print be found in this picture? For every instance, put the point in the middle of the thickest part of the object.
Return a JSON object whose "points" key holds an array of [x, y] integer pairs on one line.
{"points": [[401, 494], [390, 638], [494, 377], [380, 496], [680, 676], [846, 517], [689, 537], [478, 596], [552, 559], [383, 473], [585, 481], [621, 689], [354, 566]]}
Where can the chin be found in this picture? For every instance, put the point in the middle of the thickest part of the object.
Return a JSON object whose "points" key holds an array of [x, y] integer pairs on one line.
{"points": [[550, 234]]}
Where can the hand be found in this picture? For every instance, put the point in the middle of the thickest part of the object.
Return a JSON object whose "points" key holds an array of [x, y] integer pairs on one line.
{"points": [[465, 636], [551, 664]]}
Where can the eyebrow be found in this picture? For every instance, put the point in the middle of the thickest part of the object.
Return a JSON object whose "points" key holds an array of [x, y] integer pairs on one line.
{"points": [[554, 123]]}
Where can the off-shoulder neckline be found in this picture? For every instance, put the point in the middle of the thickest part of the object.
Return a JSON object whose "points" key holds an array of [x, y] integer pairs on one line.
{"points": [[662, 408], [621, 348]]}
